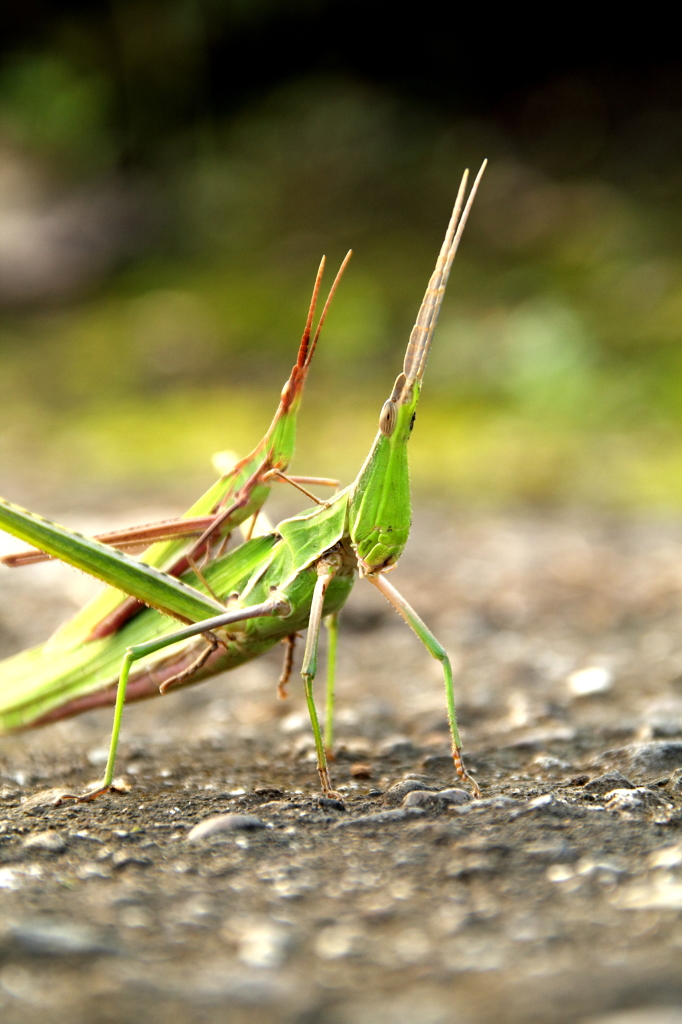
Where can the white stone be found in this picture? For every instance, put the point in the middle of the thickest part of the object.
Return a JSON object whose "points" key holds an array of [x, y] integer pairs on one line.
{"points": [[264, 946], [663, 894], [223, 823], [586, 681], [666, 857], [51, 841], [336, 941]]}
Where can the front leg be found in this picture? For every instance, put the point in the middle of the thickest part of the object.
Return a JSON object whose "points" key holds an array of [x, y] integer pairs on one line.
{"points": [[437, 651], [326, 567], [332, 624], [275, 606]]}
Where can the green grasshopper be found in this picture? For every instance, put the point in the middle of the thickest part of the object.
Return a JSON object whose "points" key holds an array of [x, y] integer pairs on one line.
{"points": [[234, 499], [251, 598]]}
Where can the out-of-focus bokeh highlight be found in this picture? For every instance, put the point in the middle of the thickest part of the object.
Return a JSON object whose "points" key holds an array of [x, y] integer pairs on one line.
{"points": [[161, 220]]}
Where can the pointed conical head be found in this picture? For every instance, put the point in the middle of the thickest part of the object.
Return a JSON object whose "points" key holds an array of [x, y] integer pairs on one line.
{"points": [[380, 512]]}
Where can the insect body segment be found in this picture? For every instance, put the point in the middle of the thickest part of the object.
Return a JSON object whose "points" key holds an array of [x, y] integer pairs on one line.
{"points": [[274, 585], [236, 497]]}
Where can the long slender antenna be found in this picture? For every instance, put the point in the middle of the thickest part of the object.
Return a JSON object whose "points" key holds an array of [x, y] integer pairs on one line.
{"points": [[422, 332], [327, 304], [303, 357], [461, 224]]}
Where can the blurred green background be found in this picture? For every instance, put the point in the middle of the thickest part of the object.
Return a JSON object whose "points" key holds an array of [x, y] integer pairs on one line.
{"points": [[172, 170]]}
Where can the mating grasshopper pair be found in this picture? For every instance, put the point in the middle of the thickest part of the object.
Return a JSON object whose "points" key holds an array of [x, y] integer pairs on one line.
{"points": [[242, 603]]}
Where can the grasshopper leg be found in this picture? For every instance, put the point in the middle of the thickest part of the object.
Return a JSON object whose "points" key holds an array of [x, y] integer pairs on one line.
{"points": [[437, 651], [199, 662], [289, 646], [276, 606], [279, 475], [332, 624], [327, 567], [195, 568]]}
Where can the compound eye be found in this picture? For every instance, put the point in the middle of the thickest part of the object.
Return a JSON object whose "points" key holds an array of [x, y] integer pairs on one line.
{"points": [[387, 418]]}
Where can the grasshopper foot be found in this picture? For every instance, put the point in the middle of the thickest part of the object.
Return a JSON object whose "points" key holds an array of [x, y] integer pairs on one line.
{"points": [[326, 783], [116, 786], [464, 774]]}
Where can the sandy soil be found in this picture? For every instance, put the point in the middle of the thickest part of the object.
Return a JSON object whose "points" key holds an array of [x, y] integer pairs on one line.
{"points": [[557, 898]]}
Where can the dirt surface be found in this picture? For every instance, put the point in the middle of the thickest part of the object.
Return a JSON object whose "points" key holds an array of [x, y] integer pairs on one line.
{"points": [[558, 897]]}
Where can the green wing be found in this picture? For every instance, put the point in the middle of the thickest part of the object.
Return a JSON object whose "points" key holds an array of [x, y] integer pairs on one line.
{"points": [[43, 679], [149, 585]]}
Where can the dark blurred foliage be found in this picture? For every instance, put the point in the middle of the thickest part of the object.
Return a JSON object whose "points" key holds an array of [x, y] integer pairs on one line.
{"points": [[154, 71], [171, 171]]}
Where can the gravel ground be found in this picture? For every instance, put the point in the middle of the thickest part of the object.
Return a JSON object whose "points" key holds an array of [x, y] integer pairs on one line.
{"points": [[558, 897]]}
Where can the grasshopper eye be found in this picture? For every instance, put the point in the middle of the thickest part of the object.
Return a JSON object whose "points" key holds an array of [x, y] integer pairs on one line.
{"points": [[387, 418]]}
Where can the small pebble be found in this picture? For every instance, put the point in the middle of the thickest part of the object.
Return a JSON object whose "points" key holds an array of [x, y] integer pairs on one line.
{"points": [[631, 799], [550, 805], [494, 801], [666, 857], [54, 937], [296, 721], [658, 756], [454, 796], [361, 771], [440, 799], [50, 841], [587, 681], [98, 756], [331, 805], [606, 869], [421, 798], [663, 893], [125, 859], [118, 785], [397, 793], [547, 802], [337, 941], [559, 873], [264, 946], [607, 782], [91, 869], [223, 823]]}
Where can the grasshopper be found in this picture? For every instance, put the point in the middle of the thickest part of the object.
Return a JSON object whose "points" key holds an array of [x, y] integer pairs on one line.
{"points": [[235, 499], [262, 592]]}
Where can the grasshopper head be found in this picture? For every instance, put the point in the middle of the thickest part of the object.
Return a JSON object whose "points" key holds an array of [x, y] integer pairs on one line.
{"points": [[379, 508]]}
